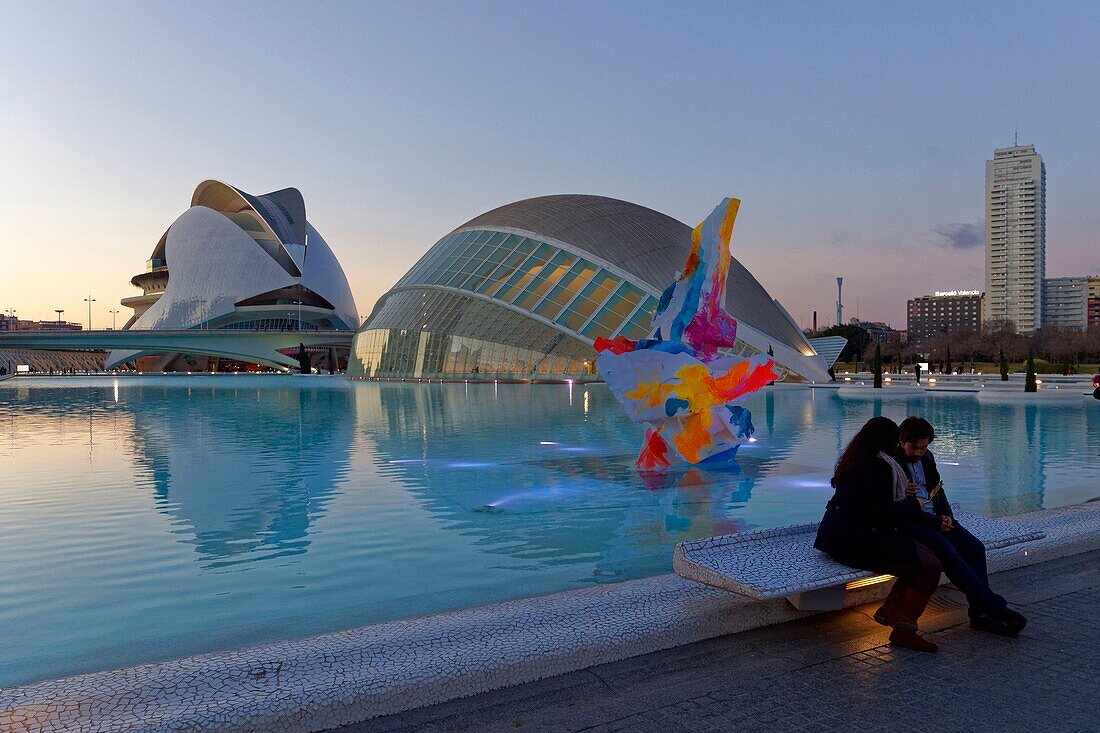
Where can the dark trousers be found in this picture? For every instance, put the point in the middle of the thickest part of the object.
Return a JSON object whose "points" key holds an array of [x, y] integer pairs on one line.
{"points": [[963, 558], [921, 571]]}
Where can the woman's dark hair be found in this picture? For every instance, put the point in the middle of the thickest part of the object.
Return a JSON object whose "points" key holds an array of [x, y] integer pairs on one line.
{"points": [[913, 429], [878, 434]]}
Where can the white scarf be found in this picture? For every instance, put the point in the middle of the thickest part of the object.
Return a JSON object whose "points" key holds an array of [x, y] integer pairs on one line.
{"points": [[901, 480]]}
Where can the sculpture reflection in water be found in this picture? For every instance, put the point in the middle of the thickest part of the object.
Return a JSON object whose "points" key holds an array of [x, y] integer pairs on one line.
{"points": [[675, 380], [558, 492]]}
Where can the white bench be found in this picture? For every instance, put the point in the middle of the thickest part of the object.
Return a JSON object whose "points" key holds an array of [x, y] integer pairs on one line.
{"points": [[782, 562]]}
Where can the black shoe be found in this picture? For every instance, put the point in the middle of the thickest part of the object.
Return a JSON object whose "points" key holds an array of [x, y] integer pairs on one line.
{"points": [[1012, 619], [994, 625]]}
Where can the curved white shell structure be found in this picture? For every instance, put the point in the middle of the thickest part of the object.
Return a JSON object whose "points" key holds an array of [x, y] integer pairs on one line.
{"points": [[234, 261]]}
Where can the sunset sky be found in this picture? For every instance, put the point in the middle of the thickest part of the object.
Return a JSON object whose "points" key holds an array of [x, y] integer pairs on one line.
{"points": [[854, 133]]}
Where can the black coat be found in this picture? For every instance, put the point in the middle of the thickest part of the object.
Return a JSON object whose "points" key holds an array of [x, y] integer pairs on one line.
{"points": [[863, 526], [932, 477]]}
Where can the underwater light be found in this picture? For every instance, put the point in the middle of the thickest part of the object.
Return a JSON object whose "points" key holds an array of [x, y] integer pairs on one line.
{"points": [[547, 442], [752, 440]]}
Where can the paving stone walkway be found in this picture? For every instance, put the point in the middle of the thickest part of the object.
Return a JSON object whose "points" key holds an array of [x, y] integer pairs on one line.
{"points": [[833, 672]]}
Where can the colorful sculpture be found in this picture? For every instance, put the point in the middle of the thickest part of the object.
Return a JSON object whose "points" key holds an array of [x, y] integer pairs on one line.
{"points": [[675, 380]]}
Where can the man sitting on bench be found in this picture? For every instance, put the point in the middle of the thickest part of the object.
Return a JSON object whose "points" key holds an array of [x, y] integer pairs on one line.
{"points": [[959, 552]]}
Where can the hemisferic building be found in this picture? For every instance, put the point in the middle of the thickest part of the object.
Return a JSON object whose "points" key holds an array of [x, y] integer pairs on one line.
{"points": [[522, 291]]}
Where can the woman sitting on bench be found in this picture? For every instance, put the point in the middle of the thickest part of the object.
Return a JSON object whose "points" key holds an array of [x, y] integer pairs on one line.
{"points": [[866, 526]]}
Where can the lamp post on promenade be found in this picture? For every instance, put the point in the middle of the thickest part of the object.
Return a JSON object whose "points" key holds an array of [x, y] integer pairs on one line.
{"points": [[299, 304], [114, 313], [59, 312], [89, 300]]}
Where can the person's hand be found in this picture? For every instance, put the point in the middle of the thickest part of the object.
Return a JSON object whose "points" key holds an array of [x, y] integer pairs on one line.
{"points": [[911, 489], [947, 523]]}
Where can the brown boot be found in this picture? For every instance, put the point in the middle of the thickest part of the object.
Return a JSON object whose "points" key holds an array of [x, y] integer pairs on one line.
{"points": [[911, 640], [890, 614]]}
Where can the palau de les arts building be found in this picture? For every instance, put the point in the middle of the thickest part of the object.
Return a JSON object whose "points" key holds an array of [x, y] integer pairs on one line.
{"points": [[522, 291], [234, 261]]}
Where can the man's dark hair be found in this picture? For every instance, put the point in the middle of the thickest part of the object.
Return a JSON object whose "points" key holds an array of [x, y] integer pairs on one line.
{"points": [[913, 429]]}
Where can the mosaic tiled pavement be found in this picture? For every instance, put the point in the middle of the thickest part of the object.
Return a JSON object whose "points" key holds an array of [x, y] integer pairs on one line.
{"points": [[831, 673], [325, 681]]}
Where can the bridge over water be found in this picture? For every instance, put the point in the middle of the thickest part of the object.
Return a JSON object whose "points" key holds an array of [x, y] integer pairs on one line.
{"points": [[260, 347]]}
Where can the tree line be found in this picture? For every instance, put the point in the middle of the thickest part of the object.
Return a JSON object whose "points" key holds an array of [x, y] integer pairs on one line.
{"points": [[1067, 348]]}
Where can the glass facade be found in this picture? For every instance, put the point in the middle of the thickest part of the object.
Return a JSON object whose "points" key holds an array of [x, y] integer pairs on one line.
{"points": [[430, 328], [538, 277], [456, 336], [433, 326]]}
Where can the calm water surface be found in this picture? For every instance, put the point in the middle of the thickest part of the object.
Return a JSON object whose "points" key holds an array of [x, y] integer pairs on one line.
{"points": [[150, 518]]}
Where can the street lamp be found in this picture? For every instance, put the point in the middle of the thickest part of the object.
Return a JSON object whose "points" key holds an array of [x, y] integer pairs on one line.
{"points": [[113, 312], [89, 300], [299, 304]]}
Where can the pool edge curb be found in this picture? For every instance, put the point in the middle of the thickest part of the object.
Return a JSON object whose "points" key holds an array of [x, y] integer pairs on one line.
{"points": [[334, 679]]}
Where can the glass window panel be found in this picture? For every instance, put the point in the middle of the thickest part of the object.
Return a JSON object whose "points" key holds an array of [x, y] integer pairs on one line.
{"points": [[545, 252], [607, 320], [571, 319], [629, 298], [593, 294], [546, 278], [478, 268], [577, 277], [596, 292], [500, 277], [634, 330], [526, 273]]}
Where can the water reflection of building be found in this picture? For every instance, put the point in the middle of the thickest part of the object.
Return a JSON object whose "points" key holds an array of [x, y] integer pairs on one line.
{"points": [[248, 482], [572, 497], [1013, 447]]}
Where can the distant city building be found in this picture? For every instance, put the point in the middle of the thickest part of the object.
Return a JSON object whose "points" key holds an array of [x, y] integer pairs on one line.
{"points": [[1066, 302], [1015, 236], [879, 331], [943, 312], [11, 323], [1094, 300]]}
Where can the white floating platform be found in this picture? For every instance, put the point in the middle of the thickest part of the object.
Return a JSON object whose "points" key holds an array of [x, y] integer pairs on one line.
{"points": [[1045, 395], [859, 390]]}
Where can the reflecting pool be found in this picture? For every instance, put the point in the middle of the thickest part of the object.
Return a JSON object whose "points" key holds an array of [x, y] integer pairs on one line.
{"points": [[150, 518]]}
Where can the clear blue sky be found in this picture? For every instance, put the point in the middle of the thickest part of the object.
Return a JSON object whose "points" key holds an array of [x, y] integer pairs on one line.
{"points": [[854, 133]]}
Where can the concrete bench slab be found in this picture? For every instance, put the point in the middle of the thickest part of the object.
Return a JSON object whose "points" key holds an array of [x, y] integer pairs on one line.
{"points": [[782, 562]]}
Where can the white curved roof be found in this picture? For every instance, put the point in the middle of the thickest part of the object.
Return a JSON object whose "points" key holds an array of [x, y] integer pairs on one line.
{"points": [[231, 246]]}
